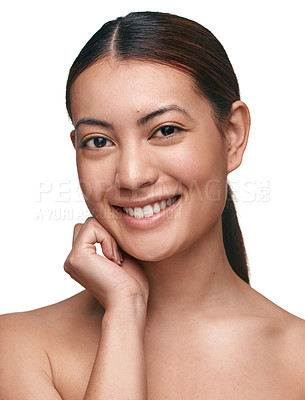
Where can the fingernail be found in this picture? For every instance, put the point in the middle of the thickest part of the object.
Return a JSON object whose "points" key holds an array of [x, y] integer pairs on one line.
{"points": [[120, 256], [113, 253]]}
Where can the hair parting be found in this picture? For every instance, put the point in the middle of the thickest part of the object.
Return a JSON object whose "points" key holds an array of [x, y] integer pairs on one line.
{"points": [[183, 44]]}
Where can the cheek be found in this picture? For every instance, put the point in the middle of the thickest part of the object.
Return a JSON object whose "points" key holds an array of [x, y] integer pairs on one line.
{"points": [[199, 170], [95, 180], [202, 177]]}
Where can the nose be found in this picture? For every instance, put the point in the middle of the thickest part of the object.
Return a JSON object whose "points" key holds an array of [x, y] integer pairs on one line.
{"points": [[136, 169]]}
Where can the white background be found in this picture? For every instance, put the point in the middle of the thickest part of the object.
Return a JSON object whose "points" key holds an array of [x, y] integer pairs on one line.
{"points": [[39, 41]]}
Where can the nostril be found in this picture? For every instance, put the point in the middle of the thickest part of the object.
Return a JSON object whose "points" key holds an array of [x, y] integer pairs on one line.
{"points": [[136, 170], [130, 182], [145, 185]]}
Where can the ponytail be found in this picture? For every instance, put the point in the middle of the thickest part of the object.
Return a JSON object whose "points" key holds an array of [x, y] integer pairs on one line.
{"points": [[233, 239]]}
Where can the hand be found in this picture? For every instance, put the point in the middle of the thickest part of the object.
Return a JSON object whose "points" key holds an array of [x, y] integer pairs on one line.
{"points": [[112, 279]]}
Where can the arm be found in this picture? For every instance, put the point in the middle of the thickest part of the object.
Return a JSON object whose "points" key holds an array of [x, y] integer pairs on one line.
{"points": [[121, 287], [119, 370], [25, 372]]}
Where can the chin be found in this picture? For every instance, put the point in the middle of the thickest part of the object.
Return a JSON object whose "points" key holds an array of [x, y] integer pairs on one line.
{"points": [[149, 253]]}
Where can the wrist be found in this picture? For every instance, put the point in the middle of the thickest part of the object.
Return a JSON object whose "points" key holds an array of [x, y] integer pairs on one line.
{"points": [[131, 304], [124, 312]]}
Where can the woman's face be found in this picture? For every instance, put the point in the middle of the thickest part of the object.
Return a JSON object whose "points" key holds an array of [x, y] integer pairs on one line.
{"points": [[152, 164]]}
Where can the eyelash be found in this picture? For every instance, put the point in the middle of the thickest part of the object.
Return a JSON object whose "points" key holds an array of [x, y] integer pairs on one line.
{"points": [[83, 144], [177, 130]]}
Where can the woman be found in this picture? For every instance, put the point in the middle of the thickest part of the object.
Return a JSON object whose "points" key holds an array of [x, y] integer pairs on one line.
{"points": [[168, 312]]}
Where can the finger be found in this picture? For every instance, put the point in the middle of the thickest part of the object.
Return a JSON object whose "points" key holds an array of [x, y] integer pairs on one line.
{"points": [[119, 253], [76, 231], [72, 273], [115, 253], [133, 268], [93, 232]]}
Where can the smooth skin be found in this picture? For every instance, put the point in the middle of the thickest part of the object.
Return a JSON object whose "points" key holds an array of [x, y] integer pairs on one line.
{"points": [[163, 315]]}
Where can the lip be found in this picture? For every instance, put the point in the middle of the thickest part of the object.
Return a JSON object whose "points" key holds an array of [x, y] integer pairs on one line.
{"points": [[147, 222], [146, 202]]}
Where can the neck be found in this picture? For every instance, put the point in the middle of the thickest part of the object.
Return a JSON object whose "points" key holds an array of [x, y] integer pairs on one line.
{"points": [[197, 279]]}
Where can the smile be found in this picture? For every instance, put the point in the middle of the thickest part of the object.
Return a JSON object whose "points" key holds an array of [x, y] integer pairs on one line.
{"points": [[150, 209]]}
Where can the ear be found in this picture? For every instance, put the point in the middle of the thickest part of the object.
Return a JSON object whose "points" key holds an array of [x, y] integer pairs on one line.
{"points": [[237, 133], [72, 137]]}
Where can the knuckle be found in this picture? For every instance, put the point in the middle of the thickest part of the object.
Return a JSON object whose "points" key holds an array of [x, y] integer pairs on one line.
{"points": [[67, 268], [96, 226], [72, 260], [90, 224], [77, 227], [74, 264], [76, 231], [94, 223], [90, 220]]}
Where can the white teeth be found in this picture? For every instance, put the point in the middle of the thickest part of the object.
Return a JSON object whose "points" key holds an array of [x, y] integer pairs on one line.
{"points": [[130, 211], [169, 202], [163, 205], [157, 208], [138, 212], [149, 211]]}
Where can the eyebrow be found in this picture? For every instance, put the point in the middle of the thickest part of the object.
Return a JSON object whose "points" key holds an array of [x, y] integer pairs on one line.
{"points": [[160, 111], [142, 121], [93, 121]]}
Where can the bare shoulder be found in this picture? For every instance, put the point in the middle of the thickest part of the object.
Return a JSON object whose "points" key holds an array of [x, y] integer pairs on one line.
{"points": [[291, 334], [277, 321], [286, 322], [38, 324], [289, 342], [283, 332], [24, 362], [29, 341]]}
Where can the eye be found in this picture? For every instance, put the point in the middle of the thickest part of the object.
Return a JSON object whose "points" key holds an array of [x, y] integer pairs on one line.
{"points": [[96, 142], [167, 130]]}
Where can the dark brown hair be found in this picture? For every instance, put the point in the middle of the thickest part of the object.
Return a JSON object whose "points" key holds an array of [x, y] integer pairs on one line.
{"points": [[189, 47]]}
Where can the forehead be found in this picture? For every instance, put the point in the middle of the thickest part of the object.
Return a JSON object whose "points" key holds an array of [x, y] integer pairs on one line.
{"points": [[110, 85]]}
